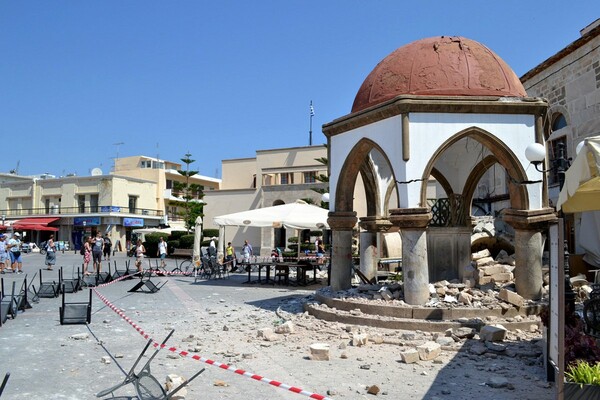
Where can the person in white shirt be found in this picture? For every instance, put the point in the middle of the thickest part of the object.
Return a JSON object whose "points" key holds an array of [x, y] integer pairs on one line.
{"points": [[3, 253], [14, 245], [162, 251]]}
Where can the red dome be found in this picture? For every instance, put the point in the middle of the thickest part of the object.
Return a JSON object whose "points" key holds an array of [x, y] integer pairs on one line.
{"points": [[439, 66]]}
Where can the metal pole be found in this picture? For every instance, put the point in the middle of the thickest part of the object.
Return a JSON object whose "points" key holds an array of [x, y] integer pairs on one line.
{"points": [[312, 113]]}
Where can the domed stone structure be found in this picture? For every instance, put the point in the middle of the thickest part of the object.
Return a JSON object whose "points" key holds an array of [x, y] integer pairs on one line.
{"points": [[439, 66]]}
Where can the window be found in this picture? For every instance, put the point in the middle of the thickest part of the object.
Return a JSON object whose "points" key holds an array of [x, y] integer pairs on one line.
{"points": [[47, 204], [132, 204], [169, 184], [146, 164], [310, 177], [94, 203], [286, 178], [81, 203], [553, 149], [558, 122]]}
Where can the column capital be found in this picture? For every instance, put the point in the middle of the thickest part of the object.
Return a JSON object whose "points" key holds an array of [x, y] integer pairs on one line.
{"points": [[375, 224], [530, 219], [342, 220], [410, 218]]}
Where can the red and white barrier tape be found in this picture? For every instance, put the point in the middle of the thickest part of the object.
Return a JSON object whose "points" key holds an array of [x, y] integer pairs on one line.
{"points": [[186, 354]]}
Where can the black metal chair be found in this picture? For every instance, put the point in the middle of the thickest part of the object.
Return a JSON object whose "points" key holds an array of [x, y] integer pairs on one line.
{"points": [[76, 313], [21, 298], [7, 303], [49, 289], [147, 387], [4, 381], [70, 285], [146, 282], [120, 272]]}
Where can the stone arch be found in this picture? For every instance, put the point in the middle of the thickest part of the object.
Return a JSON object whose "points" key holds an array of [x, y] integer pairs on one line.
{"points": [[278, 202], [519, 198], [474, 177], [358, 162]]}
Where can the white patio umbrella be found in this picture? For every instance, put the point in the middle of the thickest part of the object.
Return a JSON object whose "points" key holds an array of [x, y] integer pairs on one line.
{"points": [[298, 215], [197, 238]]}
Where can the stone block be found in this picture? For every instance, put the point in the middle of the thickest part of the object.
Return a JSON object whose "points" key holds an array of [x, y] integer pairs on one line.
{"points": [[503, 277], [482, 262], [492, 333], [410, 356], [481, 254], [360, 339], [494, 269], [287, 327], [511, 297], [319, 352], [429, 350]]}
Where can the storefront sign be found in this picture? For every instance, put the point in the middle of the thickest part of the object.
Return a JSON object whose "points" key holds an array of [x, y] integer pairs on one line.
{"points": [[86, 221], [133, 222], [106, 209]]}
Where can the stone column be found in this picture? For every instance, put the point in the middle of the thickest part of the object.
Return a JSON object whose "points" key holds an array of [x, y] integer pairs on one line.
{"points": [[528, 225], [341, 224], [370, 249], [415, 269]]}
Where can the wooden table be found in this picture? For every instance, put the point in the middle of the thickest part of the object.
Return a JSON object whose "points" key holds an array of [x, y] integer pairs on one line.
{"points": [[260, 265]]}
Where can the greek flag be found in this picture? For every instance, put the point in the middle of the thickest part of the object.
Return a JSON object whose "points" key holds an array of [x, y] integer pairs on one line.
{"points": [[312, 110]]}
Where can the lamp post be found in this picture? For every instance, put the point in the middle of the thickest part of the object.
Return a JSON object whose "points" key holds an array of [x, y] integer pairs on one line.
{"points": [[536, 154]]}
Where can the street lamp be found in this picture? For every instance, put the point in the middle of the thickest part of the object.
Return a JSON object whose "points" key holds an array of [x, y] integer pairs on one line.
{"points": [[536, 154]]}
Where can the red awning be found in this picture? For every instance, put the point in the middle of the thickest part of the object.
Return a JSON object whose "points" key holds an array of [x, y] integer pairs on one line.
{"points": [[35, 224]]}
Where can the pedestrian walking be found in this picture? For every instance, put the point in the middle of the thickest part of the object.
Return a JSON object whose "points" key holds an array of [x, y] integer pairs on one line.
{"points": [[140, 250], [162, 251], [86, 249], [107, 248], [50, 253], [4, 258], [246, 251], [14, 245], [97, 249]]}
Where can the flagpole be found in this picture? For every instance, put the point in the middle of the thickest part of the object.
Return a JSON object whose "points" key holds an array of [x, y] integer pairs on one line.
{"points": [[312, 113]]}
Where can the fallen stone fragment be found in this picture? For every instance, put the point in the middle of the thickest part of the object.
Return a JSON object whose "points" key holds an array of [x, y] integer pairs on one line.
{"points": [[319, 352], [463, 332], [492, 333], [80, 336], [287, 327], [511, 297], [497, 382], [373, 390], [410, 356], [360, 339], [429, 350], [172, 382], [478, 349], [497, 347], [105, 360], [219, 382]]}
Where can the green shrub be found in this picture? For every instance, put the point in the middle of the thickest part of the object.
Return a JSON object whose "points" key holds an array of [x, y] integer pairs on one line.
{"points": [[151, 243], [209, 233], [186, 242], [172, 245], [584, 373], [293, 239], [175, 235], [288, 254]]}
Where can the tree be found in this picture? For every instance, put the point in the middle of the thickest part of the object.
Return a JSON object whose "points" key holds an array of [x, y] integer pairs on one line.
{"points": [[323, 179], [191, 193]]}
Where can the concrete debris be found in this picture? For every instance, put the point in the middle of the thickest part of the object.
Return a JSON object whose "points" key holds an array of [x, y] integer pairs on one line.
{"points": [[105, 360], [429, 350], [80, 336], [511, 297], [373, 389], [493, 333], [409, 356], [172, 382], [319, 352], [287, 327]]}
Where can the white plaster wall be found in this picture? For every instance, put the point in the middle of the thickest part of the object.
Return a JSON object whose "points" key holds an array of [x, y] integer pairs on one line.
{"points": [[428, 131], [387, 134]]}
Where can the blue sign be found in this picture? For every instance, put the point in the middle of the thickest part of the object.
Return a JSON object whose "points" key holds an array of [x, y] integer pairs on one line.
{"points": [[89, 221], [133, 222], [106, 209]]}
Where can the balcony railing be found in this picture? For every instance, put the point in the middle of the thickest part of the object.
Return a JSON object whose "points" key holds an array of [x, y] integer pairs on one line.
{"points": [[69, 211]]}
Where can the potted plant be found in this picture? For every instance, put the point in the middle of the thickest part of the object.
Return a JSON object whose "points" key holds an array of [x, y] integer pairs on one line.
{"points": [[583, 381]]}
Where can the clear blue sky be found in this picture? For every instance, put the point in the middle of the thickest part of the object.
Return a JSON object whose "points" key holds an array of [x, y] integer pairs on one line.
{"points": [[222, 78]]}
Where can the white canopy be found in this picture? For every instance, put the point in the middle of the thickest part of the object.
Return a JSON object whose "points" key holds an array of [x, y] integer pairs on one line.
{"points": [[298, 215]]}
